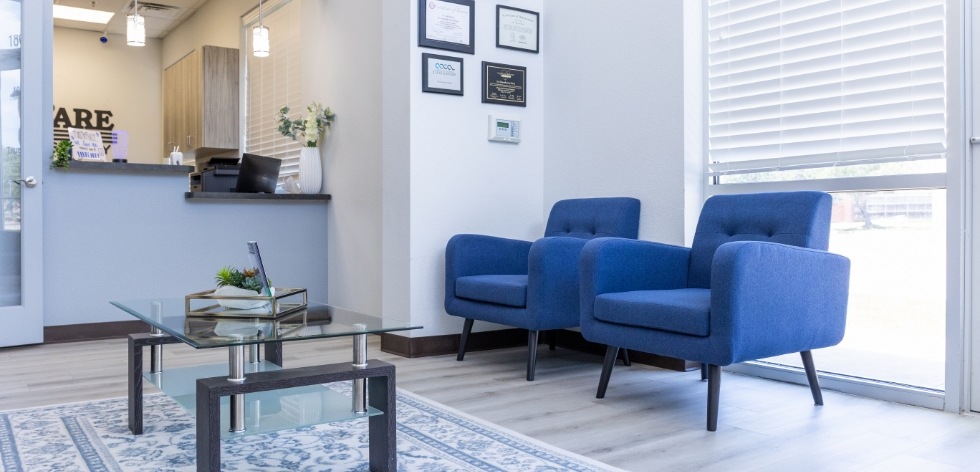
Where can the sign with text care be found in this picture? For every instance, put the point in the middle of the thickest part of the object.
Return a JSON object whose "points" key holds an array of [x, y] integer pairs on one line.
{"points": [[84, 119]]}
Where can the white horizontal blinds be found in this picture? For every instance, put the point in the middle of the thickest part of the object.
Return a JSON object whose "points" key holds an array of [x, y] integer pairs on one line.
{"points": [[273, 82], [809, 83]]}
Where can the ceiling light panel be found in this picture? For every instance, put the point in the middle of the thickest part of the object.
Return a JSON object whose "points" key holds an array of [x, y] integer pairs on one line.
{"points": [[82, 14]]}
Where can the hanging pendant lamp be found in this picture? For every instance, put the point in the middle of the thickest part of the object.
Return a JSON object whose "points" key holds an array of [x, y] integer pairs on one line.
{"points": [[135, 27], [260, 37]]}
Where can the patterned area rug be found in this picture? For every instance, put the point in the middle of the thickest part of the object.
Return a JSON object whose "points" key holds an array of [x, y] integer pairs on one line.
{"points": [[93, 436]]}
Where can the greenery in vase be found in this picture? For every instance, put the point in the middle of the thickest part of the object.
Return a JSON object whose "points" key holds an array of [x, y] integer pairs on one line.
{"points": [[62, 155], [308, 130], [247, 278]]}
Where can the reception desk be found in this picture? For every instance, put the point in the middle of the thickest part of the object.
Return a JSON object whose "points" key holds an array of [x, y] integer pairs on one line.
{"points": [[123, 231]]}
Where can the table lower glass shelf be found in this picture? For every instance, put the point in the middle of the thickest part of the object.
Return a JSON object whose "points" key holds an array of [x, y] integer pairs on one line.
{"points": [[265, 412]]}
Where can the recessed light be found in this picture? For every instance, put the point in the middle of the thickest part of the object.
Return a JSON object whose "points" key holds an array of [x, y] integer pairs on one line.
{"points": [[82, 14]]}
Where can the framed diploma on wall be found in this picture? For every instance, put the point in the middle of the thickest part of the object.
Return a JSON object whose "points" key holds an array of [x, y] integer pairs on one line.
{"points": [[447, 24], [504, 84], [517, 29], [442, 74]]}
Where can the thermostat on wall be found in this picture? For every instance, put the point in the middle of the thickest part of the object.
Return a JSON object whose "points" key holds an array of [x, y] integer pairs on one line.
{"points": [[505, 130]]}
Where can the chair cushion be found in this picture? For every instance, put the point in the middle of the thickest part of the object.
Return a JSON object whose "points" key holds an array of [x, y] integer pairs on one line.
{"points": [[682, 311], [510, 290]]}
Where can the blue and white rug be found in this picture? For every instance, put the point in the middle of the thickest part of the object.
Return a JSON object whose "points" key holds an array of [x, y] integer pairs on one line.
{"points": [[94, 436]]}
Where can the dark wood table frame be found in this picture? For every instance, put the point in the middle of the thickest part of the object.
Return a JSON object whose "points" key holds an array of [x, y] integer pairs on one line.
{"points": [[380, 385]]}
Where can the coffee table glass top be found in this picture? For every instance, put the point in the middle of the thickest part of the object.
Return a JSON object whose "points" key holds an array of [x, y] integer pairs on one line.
{"points": [[316, 321]]}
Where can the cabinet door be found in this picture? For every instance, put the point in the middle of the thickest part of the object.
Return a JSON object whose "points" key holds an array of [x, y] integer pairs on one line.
{"points": [[191, 114], [170, 100]]}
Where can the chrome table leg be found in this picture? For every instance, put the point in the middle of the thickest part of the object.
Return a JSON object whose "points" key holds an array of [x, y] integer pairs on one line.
{"points": [[236, 374], [359, 395]]}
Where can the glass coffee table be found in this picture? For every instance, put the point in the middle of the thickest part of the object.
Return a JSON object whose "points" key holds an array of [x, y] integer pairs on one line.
{"points": [[260, 395]]}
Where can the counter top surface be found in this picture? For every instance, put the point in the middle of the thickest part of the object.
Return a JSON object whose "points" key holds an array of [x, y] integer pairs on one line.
{"points": [[255, 196], [128, 167]]}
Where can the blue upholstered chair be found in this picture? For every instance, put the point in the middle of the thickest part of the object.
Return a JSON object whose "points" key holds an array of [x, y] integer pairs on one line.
{"points": [[757, 282], [533, 286]]}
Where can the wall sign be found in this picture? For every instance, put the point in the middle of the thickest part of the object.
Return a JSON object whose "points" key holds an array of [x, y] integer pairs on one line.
{"points": [[447, 24], [83, 118], [442, 74], [504, 84], [517, 29]]}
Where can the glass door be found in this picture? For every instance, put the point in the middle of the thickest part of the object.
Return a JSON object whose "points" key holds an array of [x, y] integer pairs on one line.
{"points": [[25, 89]]}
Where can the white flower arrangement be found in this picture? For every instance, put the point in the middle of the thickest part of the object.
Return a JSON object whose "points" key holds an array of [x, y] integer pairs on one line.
{"points": [[310, 129]]}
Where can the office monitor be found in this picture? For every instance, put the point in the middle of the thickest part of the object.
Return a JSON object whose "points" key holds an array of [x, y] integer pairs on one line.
{"points": [[258, 174]]}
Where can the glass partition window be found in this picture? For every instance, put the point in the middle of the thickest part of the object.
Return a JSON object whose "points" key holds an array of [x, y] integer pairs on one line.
{"points": [[896, 312], [273, 82], [10, 152], [823, 91]]}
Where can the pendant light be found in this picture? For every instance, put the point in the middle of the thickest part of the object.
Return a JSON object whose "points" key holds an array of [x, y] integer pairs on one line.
{"points": [[260, 37], [135, 27]]}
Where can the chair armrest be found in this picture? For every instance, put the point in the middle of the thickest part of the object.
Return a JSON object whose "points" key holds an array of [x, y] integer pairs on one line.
{"points": [[553, 282], [474, 254], [769, 299], [611, 265]]}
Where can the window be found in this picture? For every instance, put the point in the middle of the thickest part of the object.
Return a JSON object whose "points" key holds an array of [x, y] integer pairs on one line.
{"points": [[799, 85], [823, 91], [273, 82]]}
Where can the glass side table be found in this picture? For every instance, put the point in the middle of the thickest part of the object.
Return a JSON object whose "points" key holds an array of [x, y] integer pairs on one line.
{"points": [[297, 396]]}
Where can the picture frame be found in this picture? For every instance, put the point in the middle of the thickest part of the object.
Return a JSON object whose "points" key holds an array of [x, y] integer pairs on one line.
{"points": [[504, 84], [518, 29], [442, 74], [447, 24]]}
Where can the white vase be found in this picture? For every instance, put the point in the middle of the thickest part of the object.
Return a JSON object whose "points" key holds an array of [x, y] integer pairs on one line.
{"points": [[310, 170]]}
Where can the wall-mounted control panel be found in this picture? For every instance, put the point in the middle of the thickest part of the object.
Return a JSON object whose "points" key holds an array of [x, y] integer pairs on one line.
{"points": [[504, 130]]}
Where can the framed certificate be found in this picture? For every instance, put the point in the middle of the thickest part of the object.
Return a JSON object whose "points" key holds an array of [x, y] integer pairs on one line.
{"points": [[517, 29], [442, 74], [447, 24], [504, 84]]}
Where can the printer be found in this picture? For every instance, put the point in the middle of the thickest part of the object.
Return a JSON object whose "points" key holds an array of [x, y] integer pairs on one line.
{"points": [[218, 174]]}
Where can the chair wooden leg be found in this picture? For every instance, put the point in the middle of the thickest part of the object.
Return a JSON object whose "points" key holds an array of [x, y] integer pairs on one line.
{"points": [[626, 356], [714, 391], [607, 366], [704, 371], [532, 353], [811, 377], [467, 326]]}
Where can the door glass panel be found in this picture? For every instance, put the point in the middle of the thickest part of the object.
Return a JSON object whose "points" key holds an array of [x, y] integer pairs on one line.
{"points": [[896, 313], [10, 153]]}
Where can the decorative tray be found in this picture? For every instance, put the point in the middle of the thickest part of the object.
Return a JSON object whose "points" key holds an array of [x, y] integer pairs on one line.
{"points": [[284, 302]]}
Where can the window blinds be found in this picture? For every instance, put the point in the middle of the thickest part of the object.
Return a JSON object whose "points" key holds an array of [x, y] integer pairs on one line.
{"points": [[797, 84], [273, 82]]}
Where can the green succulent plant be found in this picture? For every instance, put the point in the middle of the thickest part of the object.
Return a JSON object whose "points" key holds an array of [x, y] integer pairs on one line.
{"points": [[61, 157], [247, 278]]}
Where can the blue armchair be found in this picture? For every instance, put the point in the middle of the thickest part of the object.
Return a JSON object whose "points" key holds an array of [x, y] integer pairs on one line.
{"points": [[533, 286], [757, 282]]}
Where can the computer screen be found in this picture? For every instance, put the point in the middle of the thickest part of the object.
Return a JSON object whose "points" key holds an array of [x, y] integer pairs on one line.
{"points": [[258, 174]]}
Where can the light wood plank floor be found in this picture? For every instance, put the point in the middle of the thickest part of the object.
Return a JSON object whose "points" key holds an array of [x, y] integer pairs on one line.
{"points": [[650, 420]]}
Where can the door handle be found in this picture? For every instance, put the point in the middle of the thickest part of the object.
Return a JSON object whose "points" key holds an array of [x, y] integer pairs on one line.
{"points": [[29, 182], [974, 139]]}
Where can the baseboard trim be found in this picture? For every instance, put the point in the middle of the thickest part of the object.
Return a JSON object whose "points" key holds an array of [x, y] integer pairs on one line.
{"points": [[485, 340], [92, 331]]}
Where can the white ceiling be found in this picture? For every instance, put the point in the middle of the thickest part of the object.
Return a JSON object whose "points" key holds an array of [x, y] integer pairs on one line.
{"points": [[161, 16]]}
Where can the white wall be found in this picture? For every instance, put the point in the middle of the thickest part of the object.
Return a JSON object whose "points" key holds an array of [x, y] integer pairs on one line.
{"points": [[215, 23], [123, 79], [614, 109], [459, 182], [343, 71]]}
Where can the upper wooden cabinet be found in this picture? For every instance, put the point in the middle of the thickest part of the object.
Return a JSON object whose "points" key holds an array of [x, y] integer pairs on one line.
{"points": [[200, 102]]}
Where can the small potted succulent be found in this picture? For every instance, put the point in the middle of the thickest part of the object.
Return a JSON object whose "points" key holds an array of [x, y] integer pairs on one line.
{"points": [[241, 283]]}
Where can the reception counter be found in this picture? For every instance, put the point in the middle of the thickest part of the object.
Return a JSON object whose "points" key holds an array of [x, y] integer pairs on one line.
{"points": [[117, 231]]}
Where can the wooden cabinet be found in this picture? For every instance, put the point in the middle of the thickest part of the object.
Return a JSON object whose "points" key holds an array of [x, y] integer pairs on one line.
{"points": [[200, 102]]}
